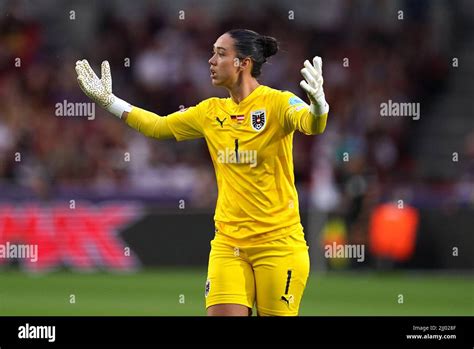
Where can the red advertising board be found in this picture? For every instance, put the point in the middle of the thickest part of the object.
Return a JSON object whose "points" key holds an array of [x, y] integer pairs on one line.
{"points": [[85, 237]]}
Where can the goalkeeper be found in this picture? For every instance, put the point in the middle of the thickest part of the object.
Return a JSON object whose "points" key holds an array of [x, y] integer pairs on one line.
{"points": [[259, 256]]}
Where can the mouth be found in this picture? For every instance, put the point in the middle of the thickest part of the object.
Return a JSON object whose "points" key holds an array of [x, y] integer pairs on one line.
{"points": [[213, 73]]}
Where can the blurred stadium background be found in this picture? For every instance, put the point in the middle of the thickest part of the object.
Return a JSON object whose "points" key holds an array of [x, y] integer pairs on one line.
{"points": [[123, 223]]}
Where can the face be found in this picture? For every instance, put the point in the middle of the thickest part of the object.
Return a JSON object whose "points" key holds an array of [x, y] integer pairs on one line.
{"points": [[225, 66]]}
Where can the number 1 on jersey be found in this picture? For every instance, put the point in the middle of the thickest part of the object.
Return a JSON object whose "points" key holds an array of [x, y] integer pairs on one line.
{"points": [[237, 150]]}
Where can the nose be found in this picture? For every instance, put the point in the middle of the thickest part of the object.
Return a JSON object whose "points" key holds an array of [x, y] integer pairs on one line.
{"points": [[212, 60]]}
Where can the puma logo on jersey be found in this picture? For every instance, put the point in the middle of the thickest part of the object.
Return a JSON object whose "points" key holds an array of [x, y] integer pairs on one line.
{"points": [[220, 121], [288, 299]]}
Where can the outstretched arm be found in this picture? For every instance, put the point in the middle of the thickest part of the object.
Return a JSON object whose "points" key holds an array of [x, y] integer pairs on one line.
{"points": [[313, 86], [184, 125], [310, 120], [100, 90]]}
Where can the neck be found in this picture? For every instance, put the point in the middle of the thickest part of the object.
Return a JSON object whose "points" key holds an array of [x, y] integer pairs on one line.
{"points": [[242, 89]]}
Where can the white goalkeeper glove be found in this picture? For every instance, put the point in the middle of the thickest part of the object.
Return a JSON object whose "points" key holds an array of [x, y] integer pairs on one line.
{"points": [[100, 90], [313, 86]]}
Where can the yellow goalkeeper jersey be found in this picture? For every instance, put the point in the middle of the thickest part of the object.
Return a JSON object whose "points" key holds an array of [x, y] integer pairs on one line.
{"points": [[250, 144]]}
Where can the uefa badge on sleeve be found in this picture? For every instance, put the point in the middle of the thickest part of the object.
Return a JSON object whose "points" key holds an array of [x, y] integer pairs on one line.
{"points": [[258, 120]]}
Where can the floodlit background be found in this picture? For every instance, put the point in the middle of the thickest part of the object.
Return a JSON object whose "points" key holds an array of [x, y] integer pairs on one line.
{"points": [[122, 223]]}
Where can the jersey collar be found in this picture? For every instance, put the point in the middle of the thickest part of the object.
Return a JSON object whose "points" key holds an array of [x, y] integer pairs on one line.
{"points": [[254, 94]]}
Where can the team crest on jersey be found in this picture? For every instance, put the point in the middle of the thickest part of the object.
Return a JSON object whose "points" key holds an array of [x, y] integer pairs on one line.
{"points": [[258, 120]]}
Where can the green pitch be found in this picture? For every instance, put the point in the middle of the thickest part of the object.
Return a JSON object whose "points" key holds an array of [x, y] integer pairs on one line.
{"points": [[181, 292]]}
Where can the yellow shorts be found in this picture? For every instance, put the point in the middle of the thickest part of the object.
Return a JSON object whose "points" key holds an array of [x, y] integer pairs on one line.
{"points": [[271, 275]]}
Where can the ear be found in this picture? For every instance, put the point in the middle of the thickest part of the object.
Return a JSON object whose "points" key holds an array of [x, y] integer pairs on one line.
{"points": [[245, 63]]}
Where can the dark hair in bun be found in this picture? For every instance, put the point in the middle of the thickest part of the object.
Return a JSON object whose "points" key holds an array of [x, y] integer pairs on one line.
{"points": [[251, 44], [269, 45]]}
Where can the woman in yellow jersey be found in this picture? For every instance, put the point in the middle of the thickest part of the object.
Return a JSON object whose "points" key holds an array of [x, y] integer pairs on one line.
{"points": [[259, 255]]}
